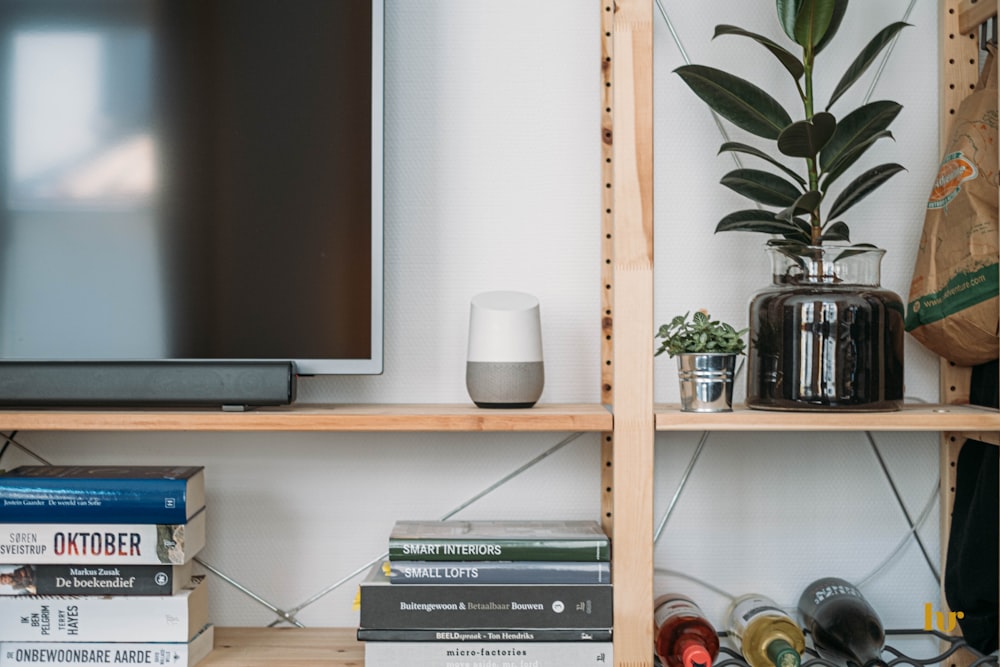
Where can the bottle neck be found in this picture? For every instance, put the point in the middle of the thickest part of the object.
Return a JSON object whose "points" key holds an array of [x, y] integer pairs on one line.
{"points": [[874, 662], [782, 654], [693, 652]]}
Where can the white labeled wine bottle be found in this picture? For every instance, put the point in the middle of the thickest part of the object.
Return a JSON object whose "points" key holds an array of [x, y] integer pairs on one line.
{"points": [[765, 633], [684, 637], [845, 629]]}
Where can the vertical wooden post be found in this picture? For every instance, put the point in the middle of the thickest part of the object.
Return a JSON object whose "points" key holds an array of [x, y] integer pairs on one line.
{"points": [[627, 140], [959, 53]]}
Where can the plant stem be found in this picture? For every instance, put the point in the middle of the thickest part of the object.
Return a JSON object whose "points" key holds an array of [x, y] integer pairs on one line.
{"points": [[808, 58]]}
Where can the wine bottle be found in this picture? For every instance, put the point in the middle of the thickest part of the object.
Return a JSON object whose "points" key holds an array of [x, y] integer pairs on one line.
{"points": [[845, 628], [765, 633], [684, 637]]}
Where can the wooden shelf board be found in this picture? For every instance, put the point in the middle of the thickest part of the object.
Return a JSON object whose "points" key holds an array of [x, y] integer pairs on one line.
{"points": [[288, 647], [913, 417], [383, 417]]}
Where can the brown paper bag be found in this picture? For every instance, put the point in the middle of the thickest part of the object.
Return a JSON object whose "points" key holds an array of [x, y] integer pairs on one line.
{"points": [[953, 302]]}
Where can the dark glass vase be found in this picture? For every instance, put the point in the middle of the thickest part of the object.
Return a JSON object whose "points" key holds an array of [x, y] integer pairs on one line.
{"points": [[825, 335]]}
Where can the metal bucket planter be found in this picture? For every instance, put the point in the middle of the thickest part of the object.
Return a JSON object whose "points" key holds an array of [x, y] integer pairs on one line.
{"points": [[706, 381]]}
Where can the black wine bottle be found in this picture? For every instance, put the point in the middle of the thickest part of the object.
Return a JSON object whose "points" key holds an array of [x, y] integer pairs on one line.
{"points": [[845, 628]]}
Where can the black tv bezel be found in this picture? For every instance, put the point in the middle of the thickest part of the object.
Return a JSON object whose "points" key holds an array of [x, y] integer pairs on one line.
{"points": [[241, 382]]}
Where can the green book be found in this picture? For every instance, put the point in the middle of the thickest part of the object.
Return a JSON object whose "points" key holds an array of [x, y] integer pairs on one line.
{"points": [[535, 540]]}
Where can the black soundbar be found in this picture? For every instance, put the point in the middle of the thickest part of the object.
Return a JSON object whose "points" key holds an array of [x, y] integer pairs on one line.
{"points": [[224, 384]]}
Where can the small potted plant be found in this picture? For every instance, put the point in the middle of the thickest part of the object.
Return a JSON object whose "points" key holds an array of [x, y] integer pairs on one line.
{"points": [[706, 352]]}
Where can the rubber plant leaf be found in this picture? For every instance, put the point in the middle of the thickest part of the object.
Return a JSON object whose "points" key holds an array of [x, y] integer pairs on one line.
{"points": [[862, 186], [806, 203], [813, 21], [762, 187], [741, 102], [787, 11], [856, 130], [837, 231], [850, 158], [737, 147], [788, 59], [806, 138], [756, 220], [839, 9], [865, 59]]}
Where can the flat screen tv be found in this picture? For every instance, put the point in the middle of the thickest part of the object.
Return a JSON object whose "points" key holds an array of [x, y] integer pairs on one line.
{"points": [[190, 188]]}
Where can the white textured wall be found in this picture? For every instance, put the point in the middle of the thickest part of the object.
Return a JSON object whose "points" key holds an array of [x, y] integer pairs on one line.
{"points": [[493, 182]]}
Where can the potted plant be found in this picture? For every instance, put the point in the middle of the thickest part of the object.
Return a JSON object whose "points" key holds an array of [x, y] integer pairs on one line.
{"points": [[825, 335], [706, 352]]}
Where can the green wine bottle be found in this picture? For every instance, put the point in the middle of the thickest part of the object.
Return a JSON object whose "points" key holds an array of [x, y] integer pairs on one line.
{"points": [[765, 634], [845, 629]]}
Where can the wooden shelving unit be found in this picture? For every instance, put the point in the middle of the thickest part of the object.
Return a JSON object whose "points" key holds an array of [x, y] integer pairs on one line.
{"points": [[311, 647], [629, 420]]}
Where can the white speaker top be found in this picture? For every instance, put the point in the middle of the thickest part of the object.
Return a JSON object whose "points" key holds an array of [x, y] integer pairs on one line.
{"points": [[505, 326]]}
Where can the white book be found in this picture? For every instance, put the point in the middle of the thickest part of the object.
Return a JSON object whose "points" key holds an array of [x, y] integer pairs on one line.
{"points": [[102, 543], [448, 654], [89, 654], [107, 618]]}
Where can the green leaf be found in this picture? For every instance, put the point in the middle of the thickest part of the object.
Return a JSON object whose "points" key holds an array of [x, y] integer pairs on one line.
{"points": [[862, 186], [839, 9], [755, 220], [787, 11], [806, 138], [812, 22], [850, 158], [838, 231], [736, 147], [784, 56], [807, 203], [865, 59], [857, 130], [736, 99], [762, 187]]}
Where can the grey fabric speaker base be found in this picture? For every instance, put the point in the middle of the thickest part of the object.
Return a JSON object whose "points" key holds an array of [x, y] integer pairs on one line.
{"points": [[505, 384]]}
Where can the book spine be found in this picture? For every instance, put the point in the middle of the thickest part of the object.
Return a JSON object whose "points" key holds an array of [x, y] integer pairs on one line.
{"points": [[500, 572], [83, 618], [88, 654], [448, 654], [59, 579], [82, 500], [514, 549], [108, 544], [468, 606], [491, 635]]}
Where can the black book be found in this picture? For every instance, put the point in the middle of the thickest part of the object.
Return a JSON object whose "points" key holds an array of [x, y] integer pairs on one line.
{"points": [[489, 606], [90, 579]]}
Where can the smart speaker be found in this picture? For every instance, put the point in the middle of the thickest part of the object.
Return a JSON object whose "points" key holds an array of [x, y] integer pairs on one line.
{"points": [[504, 368]]}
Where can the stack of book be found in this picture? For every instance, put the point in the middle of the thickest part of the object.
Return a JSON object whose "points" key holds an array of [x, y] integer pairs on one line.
{"points": [[96, 566], [489, 592]]}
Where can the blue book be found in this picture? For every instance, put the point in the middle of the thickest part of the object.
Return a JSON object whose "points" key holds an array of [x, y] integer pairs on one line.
{"points": [[101, 494]]}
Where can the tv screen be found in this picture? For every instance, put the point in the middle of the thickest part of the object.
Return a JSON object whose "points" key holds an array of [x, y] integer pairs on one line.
{"points": [[188, 180]]}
